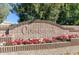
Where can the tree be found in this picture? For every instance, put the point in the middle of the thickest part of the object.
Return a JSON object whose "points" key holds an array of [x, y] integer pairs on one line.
{"points": [[64, 14], [4, 11], [69, 14], [42, 11]]}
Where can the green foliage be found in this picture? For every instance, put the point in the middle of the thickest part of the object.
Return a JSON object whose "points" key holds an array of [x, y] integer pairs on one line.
{"points": [[4, 11], [62, 13], [69, 14], [42, 11]]}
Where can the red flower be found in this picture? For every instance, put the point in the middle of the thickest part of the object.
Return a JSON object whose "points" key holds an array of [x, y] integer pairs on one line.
{"points": [[63, 37], [41, 40], [35, 41], [47, 40], [26, 42], [53, 39], [17, 41], [73, 36]]}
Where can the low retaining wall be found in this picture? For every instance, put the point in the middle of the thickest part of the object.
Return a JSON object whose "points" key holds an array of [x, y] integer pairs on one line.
{"points": [[5, 39], [4, 49]]}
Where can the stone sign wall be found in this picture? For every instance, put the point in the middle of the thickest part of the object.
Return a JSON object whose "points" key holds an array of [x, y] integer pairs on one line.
{"points": [[38, 29]]}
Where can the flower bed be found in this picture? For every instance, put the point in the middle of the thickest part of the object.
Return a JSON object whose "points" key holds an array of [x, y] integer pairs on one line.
{"points": [[37, 41], [27, 41]]}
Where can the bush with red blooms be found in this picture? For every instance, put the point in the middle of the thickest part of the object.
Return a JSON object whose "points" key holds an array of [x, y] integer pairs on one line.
{"points": [[66, 37], [73, 36], [31, 41], [53, 39], [26, 42], [62, 37], [21, 41], [35, 41], [47, 40], [14, 42]]}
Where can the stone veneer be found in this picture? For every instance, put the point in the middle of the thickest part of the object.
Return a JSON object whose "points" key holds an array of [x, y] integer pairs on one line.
{"points": [[37, 29]]}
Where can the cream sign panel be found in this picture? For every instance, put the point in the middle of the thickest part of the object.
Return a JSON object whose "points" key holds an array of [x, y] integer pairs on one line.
{"points": [[39, 29]]}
